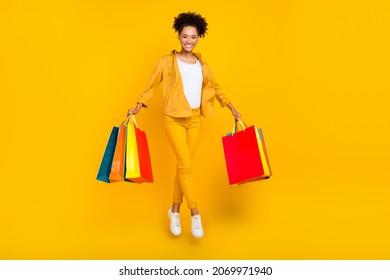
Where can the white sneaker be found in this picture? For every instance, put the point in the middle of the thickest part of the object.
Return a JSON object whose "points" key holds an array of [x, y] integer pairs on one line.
{"points": [[196, 226], [175, 222]]}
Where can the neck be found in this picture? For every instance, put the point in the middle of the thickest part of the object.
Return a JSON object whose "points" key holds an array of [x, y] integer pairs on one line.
{"points": [[185, 53]]}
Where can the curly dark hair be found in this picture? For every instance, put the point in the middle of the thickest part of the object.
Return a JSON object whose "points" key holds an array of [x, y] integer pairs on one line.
{"points": [[190, 19]]}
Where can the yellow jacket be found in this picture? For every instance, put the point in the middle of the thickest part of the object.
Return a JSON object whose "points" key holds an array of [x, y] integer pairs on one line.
{"points": [[176, 105]]}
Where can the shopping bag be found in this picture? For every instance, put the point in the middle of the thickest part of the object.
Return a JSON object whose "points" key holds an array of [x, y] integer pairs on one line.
{"points": [[262, 150], [264, 154], [118, 162], [132, 164], [145, 164], [244, 155], [138, 163], [105, 165]]}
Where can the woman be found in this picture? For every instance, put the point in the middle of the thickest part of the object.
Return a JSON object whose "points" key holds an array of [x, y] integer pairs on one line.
{"points": [[189, 91]]}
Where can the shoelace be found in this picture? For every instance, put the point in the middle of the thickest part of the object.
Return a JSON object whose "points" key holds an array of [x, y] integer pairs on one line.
{"points": [[196, 224], [175, 220]]}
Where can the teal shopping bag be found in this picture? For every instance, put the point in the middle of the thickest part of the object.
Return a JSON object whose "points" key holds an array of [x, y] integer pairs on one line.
{"points": [[105, 165]]}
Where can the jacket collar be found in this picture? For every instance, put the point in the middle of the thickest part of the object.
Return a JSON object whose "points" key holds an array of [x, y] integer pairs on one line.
{"points": [[197, 55]]}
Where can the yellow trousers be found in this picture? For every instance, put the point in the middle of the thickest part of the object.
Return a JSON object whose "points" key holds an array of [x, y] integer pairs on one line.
{"points": [[183, 135]]}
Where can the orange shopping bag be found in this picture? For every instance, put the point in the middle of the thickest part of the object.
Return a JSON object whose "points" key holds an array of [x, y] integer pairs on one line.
{"points": [[118, 163]]}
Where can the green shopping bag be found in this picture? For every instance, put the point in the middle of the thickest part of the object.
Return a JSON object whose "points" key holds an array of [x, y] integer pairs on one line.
{"points": [[106, 163]]}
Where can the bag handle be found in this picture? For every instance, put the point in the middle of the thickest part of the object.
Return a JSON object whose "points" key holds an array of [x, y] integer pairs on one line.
{"points": [[126, 121], [241, 123], [131, 118]]}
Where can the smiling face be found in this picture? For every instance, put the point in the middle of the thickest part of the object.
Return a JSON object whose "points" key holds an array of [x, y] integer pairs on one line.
{"points": [[188, 38]]}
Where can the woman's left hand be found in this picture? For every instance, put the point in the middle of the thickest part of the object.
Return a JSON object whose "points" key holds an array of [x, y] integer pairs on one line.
{"points": [[236, 114]]}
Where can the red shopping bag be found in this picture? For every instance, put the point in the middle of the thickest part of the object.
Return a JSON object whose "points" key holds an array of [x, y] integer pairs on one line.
{"points": [[244, 156], [138, 164], [145, 165]]}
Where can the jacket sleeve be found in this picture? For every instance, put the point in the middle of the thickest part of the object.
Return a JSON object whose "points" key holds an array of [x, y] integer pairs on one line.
{"points": [[152, 86], [219, 95]]}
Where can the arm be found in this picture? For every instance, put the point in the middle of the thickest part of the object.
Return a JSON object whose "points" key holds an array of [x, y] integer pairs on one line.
{"points": [[236, 114], [149, 91], [221, 97]]}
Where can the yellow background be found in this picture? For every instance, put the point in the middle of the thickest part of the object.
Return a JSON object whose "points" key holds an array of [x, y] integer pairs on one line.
{"points": [[313, 74]]}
